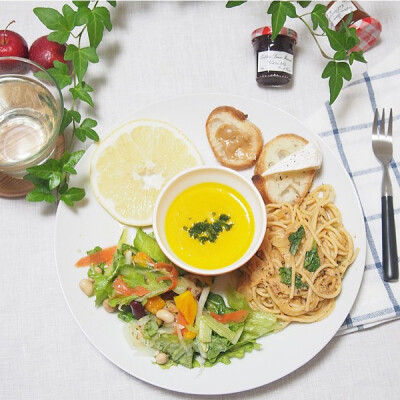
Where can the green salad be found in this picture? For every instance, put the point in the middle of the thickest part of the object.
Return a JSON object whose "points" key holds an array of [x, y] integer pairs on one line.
{"points": [[175, 313]]}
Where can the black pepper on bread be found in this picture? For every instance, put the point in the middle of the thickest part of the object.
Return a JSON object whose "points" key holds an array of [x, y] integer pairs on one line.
{"points": [[284, 187], [235, 141]]}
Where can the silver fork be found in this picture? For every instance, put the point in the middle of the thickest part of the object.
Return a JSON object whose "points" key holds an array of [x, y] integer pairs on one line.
{"points": [[383, 150]]}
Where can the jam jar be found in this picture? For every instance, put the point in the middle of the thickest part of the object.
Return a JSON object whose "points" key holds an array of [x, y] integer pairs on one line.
{"points": [[274, 57], [368, 29]]}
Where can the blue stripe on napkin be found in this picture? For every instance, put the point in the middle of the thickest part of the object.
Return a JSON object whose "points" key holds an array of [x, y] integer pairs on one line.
{"points": [[381, 304]]}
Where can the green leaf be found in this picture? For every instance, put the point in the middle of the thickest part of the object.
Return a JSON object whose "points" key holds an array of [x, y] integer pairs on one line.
{"points": [[311, 259], [357, 56], [81, 58], [39, 183], [295, 239], [82, 16], [279, 11], [60, 36], [60, 73], [81, 4], [50, 170], [68, 117], [231, 4], [352, 38], [304, 4], [336, 72], [75, 115], [104, 14], [66, 120], [95, 29], [90, 54], [69, 16], [340, 55], [318, 17], [36, 195], [85, 130], [286, 278], [81, 92], [72, 194], [112, 3], [69, 160], [63, 188], [346, 23], [337, 40], [51, 18]]}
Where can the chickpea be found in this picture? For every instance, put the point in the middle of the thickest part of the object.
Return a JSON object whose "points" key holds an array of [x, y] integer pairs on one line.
{"points": [[98, 270], [86, 286], [171, 306], [107, 307], [165, 316], [161, 358]]}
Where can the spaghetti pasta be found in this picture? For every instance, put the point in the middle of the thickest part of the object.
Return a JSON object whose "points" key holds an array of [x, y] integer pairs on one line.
{"points": [[298, 270]]}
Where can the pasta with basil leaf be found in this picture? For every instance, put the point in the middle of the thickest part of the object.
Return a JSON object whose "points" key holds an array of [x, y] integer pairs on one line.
{"points": [[298, 270]]}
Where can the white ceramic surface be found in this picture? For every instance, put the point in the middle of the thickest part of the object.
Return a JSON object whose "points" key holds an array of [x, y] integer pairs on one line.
{"points": [[203, 174], [87, 225]]}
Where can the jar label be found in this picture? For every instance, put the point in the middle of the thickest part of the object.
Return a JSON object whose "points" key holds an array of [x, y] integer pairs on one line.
{"points": [[337, 11], [279, 61]]}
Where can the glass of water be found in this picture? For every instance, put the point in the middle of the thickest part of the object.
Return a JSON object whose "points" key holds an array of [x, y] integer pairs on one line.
{"points": [[31, 111]]}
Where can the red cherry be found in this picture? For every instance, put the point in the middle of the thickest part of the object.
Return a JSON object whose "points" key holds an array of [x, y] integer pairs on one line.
{"points": [[12, 44], [45, 52]]}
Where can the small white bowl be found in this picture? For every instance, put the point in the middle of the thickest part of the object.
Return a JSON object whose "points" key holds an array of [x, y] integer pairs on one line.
{"points": [[204, 174]]}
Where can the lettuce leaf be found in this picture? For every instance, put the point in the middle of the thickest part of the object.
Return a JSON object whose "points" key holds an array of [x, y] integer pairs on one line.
{"points": [[258, 324], [103, 282], [216, 304], [179, 353], [235, 351], [147, 244]]}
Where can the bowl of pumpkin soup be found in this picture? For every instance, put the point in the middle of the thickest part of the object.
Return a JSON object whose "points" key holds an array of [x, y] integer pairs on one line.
{"points": [[209, 220]]}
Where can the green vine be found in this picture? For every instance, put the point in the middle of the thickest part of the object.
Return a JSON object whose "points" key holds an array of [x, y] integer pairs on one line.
{"points": [[51, 179], [341, 42]]}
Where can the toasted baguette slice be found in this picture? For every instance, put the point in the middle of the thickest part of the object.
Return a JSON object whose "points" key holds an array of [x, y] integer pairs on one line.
{"points": [[288, 187], [235, 141]]}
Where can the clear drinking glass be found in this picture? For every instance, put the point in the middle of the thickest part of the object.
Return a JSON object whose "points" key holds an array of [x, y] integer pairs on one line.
{"points": [[31, 110]]}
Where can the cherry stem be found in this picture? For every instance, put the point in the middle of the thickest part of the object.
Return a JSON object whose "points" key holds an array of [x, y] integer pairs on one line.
{"points": [[5, 30]]}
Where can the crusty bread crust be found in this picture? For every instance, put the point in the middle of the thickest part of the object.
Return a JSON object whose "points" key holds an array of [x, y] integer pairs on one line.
{"points": [[250, 135], [288, 187]]}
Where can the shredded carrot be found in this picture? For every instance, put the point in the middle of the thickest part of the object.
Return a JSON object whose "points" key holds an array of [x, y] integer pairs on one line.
{"points": [[120, 287], [168, 267], [180, 320], [236, 316], [101, 256]]}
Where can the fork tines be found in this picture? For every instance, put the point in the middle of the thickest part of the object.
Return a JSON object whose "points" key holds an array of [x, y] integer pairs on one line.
{"points": [[382, 123]]}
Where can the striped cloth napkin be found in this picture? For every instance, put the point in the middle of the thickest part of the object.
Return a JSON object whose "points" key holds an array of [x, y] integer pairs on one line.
{"points": [[346, 127]]}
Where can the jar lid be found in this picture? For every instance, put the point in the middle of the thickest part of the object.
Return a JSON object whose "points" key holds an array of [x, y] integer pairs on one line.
{"points": [[368, 31], [267, 30]]}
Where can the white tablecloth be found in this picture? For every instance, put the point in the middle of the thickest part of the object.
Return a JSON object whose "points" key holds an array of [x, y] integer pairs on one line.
{"points": [[159, 50]]}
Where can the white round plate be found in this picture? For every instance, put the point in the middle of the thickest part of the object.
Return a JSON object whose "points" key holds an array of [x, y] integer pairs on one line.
{"points": [[88, 225]]}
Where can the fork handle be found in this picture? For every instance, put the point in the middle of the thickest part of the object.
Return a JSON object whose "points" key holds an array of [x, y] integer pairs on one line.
{"points": [[389, 244]]}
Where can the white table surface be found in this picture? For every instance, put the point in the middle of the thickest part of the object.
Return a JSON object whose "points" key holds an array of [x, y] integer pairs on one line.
{"points": [[159, 50]]}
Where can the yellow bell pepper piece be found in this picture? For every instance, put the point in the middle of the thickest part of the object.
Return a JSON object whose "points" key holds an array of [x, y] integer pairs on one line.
{"points": [[189, 335], [187, 305], [154, 304], [142, 259]]}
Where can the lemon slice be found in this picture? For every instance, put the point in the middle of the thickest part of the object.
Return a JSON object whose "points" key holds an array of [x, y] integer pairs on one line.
{"points": [[131, 166]]}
